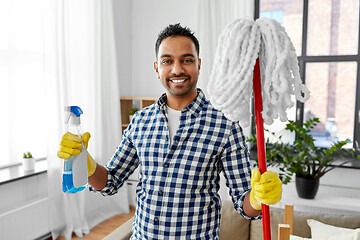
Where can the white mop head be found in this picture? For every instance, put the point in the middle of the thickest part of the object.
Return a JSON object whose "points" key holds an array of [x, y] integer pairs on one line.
{"points": [[230, 86]]}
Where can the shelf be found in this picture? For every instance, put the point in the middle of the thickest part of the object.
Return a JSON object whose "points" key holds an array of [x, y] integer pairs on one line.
{"points": [[127, 103]]}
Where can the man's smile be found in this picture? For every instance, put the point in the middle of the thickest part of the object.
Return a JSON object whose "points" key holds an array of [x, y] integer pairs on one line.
{"points": [[177, 80]]}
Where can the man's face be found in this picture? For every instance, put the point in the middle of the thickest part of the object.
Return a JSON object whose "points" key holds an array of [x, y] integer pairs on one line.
{"points": [[178, 65]]}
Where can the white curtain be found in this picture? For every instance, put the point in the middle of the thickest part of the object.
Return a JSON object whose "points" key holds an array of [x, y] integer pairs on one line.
{"points": [[212, 18], [80, 69]]}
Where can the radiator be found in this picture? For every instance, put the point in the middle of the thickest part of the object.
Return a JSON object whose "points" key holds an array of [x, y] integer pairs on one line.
{"points": [[29, 221]]}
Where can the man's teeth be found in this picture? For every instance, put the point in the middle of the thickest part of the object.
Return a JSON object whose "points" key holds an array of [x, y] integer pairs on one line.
{"points": [[178, 81]]}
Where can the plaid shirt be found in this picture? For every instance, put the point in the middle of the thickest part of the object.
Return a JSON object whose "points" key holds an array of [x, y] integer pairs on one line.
{"points": [[177, 193]]}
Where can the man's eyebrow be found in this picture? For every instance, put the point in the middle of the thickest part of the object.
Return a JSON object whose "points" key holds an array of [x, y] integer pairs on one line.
{"points": [[184, 55], [188, 55], [165, 56]]}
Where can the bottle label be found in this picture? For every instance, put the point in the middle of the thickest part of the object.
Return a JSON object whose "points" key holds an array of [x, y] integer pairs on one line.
{"points": [[80, 175]]}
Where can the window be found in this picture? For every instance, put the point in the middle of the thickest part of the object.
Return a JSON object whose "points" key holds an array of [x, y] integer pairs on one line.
{"points": [[21, 80], [277, 15], [325, 35]]}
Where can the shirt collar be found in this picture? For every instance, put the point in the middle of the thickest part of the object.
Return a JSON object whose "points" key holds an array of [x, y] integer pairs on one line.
{"points": [[194, 107]]}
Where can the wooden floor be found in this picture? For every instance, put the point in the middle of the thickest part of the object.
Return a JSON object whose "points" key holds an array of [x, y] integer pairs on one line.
{"points": [[106, 227]]}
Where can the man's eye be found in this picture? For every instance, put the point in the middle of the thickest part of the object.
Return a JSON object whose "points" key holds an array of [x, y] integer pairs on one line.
{"points": [[166, 61], [188, 60]]}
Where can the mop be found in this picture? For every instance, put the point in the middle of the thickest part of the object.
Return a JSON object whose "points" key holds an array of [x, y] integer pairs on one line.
{"points": [[245, 47]]}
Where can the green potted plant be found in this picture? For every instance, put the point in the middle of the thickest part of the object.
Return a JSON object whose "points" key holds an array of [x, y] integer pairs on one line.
{"points": [[302, 158], [132, 111], [28, 162]]}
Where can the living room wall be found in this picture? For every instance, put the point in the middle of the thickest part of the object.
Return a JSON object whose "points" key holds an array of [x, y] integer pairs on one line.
{"points": [[137, 23]]}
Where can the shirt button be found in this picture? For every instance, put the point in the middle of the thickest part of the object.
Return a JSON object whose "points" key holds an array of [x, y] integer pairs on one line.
{"points": [[160, 192], [166, 165], [156, 219], [166, 139]]}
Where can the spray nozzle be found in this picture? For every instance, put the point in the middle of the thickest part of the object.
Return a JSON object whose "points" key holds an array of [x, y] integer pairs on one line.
{"points": [[73, 114], [75, 110]]}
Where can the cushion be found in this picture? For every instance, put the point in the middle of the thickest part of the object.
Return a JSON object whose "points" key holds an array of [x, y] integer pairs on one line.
{"points": [[301, 228], [321, 231], [345, 236], [293, 237], [232, 224]]}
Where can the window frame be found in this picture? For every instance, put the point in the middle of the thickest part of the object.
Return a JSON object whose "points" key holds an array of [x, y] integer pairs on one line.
{"points": [[303, 59]]}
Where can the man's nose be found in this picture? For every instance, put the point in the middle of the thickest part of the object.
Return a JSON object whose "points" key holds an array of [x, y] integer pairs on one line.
{"points": [[177, 68]]}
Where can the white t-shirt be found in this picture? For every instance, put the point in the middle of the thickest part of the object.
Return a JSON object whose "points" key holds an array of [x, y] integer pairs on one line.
{"points": [[173, 121]]}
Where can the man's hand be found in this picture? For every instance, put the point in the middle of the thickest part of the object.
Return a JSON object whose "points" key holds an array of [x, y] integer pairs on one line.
{"points": [[71, 146], [266, 188]]}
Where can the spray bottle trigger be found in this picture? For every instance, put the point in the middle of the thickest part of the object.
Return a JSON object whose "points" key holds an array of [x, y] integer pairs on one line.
{"points": [[76, 110]]}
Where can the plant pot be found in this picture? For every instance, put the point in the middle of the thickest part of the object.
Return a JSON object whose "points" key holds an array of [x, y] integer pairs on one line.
{"points": [[28, 164], [307, 187]]}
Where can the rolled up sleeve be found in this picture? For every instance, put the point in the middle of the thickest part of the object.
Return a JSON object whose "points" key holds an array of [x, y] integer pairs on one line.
{"points": [[235, 164], [122, 164]]}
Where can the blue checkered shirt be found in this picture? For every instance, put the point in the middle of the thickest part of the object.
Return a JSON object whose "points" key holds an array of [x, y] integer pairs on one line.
{"points": [[177, 194]]}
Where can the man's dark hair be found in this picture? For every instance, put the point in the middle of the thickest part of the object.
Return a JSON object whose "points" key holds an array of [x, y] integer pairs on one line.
{"points": [[176, 30]]}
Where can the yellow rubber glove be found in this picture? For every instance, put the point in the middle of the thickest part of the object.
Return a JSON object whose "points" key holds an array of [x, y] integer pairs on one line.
{"points": [[266, 188], [71, 146]]}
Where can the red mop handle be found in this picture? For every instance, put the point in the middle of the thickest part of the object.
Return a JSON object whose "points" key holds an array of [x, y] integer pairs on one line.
{"points": [[261, 143]]}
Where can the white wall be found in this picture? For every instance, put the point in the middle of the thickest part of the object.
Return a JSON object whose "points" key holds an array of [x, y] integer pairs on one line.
{"points": [[148, 19], [123, 32], [137, 24]]}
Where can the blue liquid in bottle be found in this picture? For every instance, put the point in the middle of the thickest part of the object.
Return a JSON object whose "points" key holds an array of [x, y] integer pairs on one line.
{"points": [[68, 184]]}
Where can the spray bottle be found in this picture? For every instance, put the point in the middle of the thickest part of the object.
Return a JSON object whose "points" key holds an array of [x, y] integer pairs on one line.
{"points": [[75, 174]]}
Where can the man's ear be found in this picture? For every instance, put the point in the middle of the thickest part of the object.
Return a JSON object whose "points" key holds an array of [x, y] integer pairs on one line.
{"points": [[156, 69], [199, 63]]}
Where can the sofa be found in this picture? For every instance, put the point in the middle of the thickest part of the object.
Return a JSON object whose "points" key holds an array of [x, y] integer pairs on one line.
{"points": [[234, 226]]}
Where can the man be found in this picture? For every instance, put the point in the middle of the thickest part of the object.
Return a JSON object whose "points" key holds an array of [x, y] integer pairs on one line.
{"points": [[181, 144]]}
